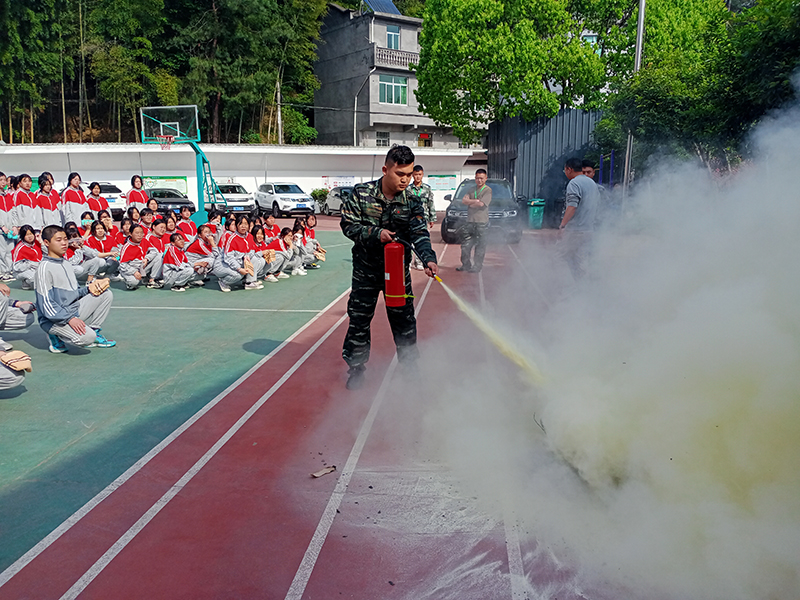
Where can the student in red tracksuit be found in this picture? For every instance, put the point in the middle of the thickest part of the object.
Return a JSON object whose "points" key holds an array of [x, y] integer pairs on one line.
{"points": [[112, 231], [27, 255], [285, 256], [47, 201], [172, 227], [202, 252], [132, 259], [106, 247], [230, 269], [73, 202], [178, 272], [95, 200], [26, 212], [230, 230], [6, 234], [271, 231], [154, 253], [186, 225], [136, 196]]}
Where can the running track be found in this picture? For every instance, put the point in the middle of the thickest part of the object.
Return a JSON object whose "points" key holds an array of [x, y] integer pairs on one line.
{"points": [[225, 506]]}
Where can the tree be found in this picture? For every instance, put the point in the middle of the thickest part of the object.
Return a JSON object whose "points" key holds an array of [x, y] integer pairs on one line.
{"points": [[483, 60]]}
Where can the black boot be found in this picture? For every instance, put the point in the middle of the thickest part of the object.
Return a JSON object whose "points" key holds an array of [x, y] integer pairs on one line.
{"points": [[355, 380]]}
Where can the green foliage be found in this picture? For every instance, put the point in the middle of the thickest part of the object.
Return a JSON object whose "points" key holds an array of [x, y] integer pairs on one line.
{"points": [[319, 195], [296, 129], [483, 60]]}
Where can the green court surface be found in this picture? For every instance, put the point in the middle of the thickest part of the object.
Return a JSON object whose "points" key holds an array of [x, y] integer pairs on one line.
{"points": [[82, 418]]}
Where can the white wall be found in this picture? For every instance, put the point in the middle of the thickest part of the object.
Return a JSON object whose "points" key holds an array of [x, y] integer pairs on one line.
{"points": [[249, 165]]}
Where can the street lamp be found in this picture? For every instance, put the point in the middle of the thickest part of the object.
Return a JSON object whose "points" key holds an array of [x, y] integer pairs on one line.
{"points": [[637, 63]]}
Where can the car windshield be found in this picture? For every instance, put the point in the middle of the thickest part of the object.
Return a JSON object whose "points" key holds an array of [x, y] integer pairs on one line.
{"points": [[109, 189], [287, 188], [345, 193], [165, 194], [226, 188], [502, 197]]}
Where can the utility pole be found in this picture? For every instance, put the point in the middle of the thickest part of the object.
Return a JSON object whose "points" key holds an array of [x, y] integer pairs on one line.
{"points": [[637, 64]]}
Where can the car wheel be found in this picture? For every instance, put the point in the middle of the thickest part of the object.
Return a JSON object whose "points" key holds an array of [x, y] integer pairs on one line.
{"points": [[276, 211], [324, 209], [447, 237]]}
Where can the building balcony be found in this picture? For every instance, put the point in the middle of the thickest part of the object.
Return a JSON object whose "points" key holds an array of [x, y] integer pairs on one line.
{"points": [[394, 59]]}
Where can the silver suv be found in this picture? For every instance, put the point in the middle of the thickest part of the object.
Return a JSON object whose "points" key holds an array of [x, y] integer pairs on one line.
{"points": [[283, 198]]}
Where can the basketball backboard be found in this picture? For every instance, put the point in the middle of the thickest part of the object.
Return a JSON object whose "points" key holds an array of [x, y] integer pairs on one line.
{"points": [[180, 122]]}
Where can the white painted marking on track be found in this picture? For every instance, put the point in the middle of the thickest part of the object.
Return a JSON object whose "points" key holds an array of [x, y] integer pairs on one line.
{"points": [[31, 554], [513, 550], [531, 279], [126, 538], [303, 574], [266, 310]]}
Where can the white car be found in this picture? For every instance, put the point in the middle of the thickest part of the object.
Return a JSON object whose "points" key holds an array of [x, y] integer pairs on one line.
{"points": [[333, 203], [283, 198], [113, 195], [237, 199]]}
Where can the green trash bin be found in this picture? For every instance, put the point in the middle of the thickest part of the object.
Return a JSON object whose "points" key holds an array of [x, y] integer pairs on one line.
{"points": [[535, 213]]}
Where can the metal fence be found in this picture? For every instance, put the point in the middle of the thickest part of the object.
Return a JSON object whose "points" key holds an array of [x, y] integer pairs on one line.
{"points": [[531, 154]]}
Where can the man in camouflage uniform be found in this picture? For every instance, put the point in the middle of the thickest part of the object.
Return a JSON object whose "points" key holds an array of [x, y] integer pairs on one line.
{"points": [[374, 215], [424, 193]]}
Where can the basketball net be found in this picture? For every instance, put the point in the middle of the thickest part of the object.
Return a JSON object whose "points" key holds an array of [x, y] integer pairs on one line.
{"points": [[165, 141]]}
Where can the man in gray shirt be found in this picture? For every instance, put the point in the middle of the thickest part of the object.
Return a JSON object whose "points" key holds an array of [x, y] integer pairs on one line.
{"points": [[577, 223], [474, 231]]}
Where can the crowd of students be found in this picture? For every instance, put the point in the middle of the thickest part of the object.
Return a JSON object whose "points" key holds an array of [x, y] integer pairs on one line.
{"points": [[53, 243]]}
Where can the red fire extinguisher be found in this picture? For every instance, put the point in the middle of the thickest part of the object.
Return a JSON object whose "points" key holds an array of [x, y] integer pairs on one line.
{"points": [[394, 267]]}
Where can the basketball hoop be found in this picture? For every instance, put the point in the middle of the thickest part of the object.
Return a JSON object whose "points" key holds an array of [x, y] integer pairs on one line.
{"points": [[165, 141]]}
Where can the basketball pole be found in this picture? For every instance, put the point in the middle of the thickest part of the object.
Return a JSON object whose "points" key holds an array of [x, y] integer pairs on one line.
{"points": [[200, 158]]}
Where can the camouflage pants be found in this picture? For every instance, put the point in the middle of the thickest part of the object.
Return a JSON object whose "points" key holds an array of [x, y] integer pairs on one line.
{"points": [[361, 308], [473, 236]]}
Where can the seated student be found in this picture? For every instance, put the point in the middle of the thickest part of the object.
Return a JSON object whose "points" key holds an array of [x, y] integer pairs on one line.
{"points": [[154, 253], [14, 314], [47, 201], [300, 250], [312, 245], [131, 258], [95, 200], [215, 224], [112, 231], [87, 218], [84, 261], [26, 256], [148, 216], [285, 257], [105, 248], [186, 226], [233, 266], [124, 231], [178, 271], [230, 230], [152, 204], [134, 215], [6, 233], [69, 312], [172, 227], [202, 252], [262, 254], [271, 231]]}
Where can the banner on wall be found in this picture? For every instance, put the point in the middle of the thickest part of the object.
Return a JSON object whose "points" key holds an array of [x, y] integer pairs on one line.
{"points": [[175, 183], [442, 183], [330, 181]]}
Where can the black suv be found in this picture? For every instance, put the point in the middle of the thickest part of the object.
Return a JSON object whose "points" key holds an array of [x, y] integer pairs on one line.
{"points": [[505, 221], [170, 199]]}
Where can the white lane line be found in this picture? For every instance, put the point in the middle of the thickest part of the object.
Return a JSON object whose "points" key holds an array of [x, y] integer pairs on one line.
{"points": [[266, 310], [31, 554], [516, 570], [531, 279], [311, 555], [126, 538]]}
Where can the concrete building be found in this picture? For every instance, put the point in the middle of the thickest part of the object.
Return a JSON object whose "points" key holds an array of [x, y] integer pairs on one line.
{"points": [[362, 64]]}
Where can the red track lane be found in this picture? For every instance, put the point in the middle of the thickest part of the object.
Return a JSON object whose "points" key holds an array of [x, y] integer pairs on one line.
{"points": [[240, 527]]}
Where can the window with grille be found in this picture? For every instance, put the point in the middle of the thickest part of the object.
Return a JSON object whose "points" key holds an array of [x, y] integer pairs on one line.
{"points": [[393, 90], [393, 37], [425, 140], [382, 138]]}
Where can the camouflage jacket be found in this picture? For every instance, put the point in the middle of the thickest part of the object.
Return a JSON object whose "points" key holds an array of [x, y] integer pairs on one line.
{"points": [[424, 193], [367, 211]]}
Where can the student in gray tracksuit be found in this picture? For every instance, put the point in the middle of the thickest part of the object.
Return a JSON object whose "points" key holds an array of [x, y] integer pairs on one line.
{"points": [[177, 270], [154, 254], [202, 252], [286, 257], [67, 312], [14, 314], [132, 259], [230, 269]]}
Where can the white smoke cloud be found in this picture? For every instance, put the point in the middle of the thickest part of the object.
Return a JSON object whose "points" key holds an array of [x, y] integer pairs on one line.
{"points": [[673, 390]]}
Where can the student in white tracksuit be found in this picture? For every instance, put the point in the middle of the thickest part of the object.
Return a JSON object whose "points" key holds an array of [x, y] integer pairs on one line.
{"points": [[48, 201], [131, 258], [26, 212], [26, 256]]}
